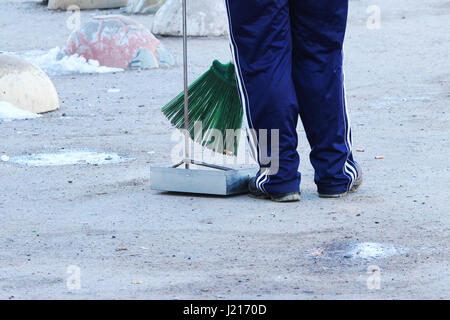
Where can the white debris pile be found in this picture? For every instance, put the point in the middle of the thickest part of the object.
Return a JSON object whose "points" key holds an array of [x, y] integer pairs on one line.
{"points": [[372, 250], [55, 62], [9, 111], [357, 250]]}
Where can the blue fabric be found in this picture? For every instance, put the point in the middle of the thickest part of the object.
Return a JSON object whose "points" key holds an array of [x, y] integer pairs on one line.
{"points": [[288, 57]]}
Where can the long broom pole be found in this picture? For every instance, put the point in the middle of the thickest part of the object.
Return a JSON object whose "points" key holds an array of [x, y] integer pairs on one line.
{"points": [[186, 97]]}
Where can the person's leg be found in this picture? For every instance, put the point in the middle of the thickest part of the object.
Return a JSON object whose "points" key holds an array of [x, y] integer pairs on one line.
{"points": [[318, 29], [261, 45]]}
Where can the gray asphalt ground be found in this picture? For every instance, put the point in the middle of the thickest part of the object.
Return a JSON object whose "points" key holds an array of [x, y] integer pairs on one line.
{"points": [[201, 247]]}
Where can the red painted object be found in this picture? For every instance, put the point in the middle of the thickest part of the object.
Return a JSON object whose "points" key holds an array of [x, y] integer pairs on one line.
{"points": [[117, 41]]}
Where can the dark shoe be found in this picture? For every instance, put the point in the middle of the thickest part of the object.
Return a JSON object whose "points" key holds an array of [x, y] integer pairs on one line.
{"points": [[333, 195], [286, 197], [254, 192], [355, 186]]}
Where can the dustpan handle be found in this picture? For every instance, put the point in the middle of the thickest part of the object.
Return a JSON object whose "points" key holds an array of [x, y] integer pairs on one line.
{"points": [[185, 74]]}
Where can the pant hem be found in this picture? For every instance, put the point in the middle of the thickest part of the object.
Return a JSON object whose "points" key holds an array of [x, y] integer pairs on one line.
{"points": [[286, 187]]}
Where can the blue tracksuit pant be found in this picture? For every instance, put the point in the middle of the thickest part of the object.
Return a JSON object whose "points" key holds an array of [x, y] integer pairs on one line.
{"points": [[288, 57]]}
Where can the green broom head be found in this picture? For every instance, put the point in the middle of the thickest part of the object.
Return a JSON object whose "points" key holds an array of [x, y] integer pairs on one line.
{"points": [[213, 100]]}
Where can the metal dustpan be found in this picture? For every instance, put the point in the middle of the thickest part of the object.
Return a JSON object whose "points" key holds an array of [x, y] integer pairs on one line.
{"points": [[203, 179], [191, 176]]}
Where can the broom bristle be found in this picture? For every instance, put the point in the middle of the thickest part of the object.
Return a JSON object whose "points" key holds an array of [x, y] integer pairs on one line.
{"points": [[213, 100]]}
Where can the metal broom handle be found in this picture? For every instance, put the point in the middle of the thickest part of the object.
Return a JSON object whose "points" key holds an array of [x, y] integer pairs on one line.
{"points": [[186, 96]]}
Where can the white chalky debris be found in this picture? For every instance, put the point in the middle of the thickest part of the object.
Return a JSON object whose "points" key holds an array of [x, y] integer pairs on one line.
{"points": [[9, 111], [68, 157], [55, 62]]}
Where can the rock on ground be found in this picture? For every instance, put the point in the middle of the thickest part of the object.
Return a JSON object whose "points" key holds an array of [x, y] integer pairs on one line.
{"points": [[86, 4], [204, 18], [144, 6]]}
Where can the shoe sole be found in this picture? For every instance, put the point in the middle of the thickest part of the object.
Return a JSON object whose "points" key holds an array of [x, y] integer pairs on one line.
{"points": [[340, 195], [289, 198], [262, 197]]}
